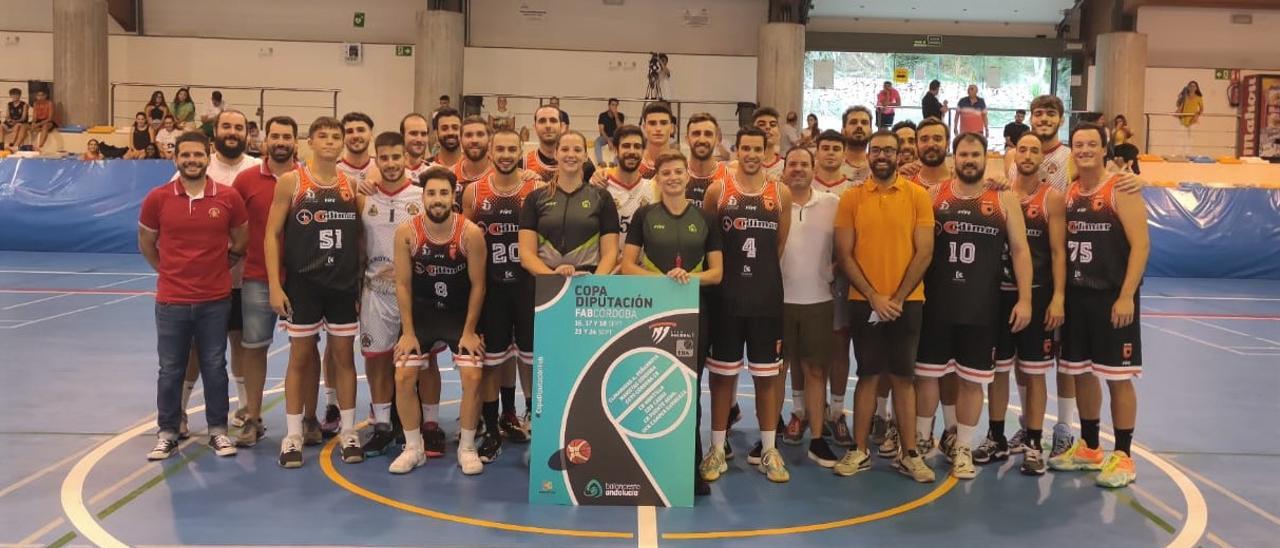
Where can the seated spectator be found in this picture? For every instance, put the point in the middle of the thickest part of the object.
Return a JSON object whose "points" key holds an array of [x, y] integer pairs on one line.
{"points": [[42, 120], [91, 151], [166, 135], [140, 137], [14, 131], [156, 110], [210, 115], [152, 152], [253, 146], [184, 109]]}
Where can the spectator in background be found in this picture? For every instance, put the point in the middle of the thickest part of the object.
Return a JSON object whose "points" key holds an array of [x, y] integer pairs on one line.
{"points": [[91, 151], [608, 122], [140, 136], [666, 90], [1015, 129], [972, 113], [253, 143], [14, 131], [790, 132], [885, 101], [152, 152], [184, 109], [207, 118], [166, 135], [42, 121], [564, 116], [930, 107], [502, 118], [811, 131], [1190, 104], [1125, 151], [156, 110]]}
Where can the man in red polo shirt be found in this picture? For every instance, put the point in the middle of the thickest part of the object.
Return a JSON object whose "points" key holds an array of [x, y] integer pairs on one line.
{"points": [[192, 230]]}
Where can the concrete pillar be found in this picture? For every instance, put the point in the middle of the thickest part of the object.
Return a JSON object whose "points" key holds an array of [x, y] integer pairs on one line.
{"points": [[1119, 80], [438, 59], [80, 86], [780, 67]]}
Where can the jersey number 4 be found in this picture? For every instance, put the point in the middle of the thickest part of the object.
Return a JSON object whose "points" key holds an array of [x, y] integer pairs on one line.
{"points": [[1081, 252], [502, 253], [749, 247], [331, 238]]}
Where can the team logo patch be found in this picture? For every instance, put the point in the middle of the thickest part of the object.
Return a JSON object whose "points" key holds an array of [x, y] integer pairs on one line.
{"points": [[303, 216], [944, 206], [1127, 352], [214, 213], [1033, 211], [413, 209], [373, 210], [768, 204], [486, 204], [365, 340], [1099, 203], [586, 204], [988, 208], [1048, 347]]}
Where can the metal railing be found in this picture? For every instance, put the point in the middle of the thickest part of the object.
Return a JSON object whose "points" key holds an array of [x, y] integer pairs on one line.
{"points": [[1211, 135], [257, 102], [583, 111]]}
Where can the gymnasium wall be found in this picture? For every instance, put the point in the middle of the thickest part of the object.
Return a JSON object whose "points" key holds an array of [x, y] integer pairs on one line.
{"points": [[1206, 38]]}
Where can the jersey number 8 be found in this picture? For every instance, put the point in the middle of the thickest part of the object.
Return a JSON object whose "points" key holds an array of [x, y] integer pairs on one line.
{"points": [[442, 289]]}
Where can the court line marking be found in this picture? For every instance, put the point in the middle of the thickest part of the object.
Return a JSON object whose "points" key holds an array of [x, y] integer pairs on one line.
{"points": [[1176, 514], [1209, 298], [41, 472], [646, 527], [1193, 339], [76, 311], [76, 273], [1229, 494], [70, 292], [1234, 332], [1209, 316]]}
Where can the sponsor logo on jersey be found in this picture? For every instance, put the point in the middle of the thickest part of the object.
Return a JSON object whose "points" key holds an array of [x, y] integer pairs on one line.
{"points": [[1076, 227], [498, 229], [957, 227], [438, 270], [744, 223], [306, 216]]}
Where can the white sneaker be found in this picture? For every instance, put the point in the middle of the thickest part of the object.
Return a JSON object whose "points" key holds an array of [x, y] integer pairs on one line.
{"points": [[469, 461], [352, 452], [412, 457], [222, 445], [962, 463]]}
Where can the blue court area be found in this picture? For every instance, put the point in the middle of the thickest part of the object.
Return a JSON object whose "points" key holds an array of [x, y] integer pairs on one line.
{"points": [[77, 409]]}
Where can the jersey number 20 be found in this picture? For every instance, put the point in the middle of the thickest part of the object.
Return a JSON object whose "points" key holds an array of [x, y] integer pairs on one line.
{"points": [[503, 253]]}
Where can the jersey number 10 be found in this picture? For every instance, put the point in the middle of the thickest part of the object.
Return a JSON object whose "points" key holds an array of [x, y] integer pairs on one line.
{"points": [[967, 252]]}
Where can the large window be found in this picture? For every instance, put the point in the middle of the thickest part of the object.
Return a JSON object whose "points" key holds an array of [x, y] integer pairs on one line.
{"points": [[1005, 83]]}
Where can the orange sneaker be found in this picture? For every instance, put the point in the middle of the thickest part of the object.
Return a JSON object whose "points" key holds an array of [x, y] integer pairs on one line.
{"points": [[1078, 457], [1117, 471]]}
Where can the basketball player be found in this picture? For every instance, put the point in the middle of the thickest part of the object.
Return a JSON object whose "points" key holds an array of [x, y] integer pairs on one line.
{"points": [[416, 131], [659, 125], [1043, 210], [749, 208], [439, 266], [394, 202], [315, 218], [766, 118], [932, 139], [702, 133], [475, 163], [962, 293], [357, 163], [447, 125], [906, 132], [856, 127], [681, 242], [1107, 249], [494, 204], [628, 187], [542, 160]]}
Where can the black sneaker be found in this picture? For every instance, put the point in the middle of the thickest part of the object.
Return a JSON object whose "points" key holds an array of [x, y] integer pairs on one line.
{"points": [[290, 452], [700, 487], [490, 448], [991, 450], [380, 441], [821, 453], [735, 415], [509, 424], [332, 423], [432, 440], [164, 449], [352, 453], [753, 457], [728, 449]]}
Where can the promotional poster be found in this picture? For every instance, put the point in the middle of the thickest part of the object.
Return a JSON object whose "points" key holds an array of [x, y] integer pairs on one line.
{"points": [[614, 388]]}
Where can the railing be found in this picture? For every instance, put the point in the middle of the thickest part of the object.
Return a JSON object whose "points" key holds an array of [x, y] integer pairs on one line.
{"points": [[1212, 135], [257, 102], [584, 111]]}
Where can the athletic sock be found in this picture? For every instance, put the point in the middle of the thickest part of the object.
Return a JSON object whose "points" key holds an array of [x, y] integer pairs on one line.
{"points": [[330, 396], [382, 413], [490, 414], [882, 407], [717, 438], [924, 428], [996, 430], [1124, 438], [1033, 438], [468, 439], [948, 416], [836, 410], [348, 419], [767, 439], [413, 438], [964, 434], [797, 403], [431, 412], [242, 401], [1089, 432], [1022, 402], [293, 425], [187, 387], [1066, 411], [508, 397]]}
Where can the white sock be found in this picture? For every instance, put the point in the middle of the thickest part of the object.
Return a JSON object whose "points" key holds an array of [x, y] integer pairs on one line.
{"points": [[468, 439], [412, 438], [797, 403], [1066, 411], [348, 419], [431, 412], [241, 399], [767, 438], [717, 438], [293, 424], [924, 428], [187, 387], [382, 413], [836, 410], [331, 396], [964, 435], [882, 407], [1022, 402], [949, 415]]}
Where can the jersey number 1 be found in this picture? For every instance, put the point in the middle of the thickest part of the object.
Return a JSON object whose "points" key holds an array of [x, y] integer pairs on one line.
{"points": [[331, 238]]}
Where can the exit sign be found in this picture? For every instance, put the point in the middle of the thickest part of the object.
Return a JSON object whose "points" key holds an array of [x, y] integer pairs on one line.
{"points": [[404, 51], [1226, 74], [358, 20]]}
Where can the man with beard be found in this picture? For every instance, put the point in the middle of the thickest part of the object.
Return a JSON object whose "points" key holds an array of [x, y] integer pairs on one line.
{"points": [[475, 163], [1043, 209], [394, 202], [494, 204], [630, 190], [906, 132], [258, 187], [356, 162], [417, 134], [313, 232], [231, 133], [542, 160], [440, 283], [702, 132], [932, 138], [884, 242], [447, 124], [766, 118], [856, 129], [191, 230], [753, 214], [962, 293]]}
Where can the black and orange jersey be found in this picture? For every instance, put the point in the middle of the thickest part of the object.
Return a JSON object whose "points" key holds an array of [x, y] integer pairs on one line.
{"points": [[1034, 215], [696, 191], [647, 169], [498, 214], [544, 167], [322, 233], [440, 277], [749, 224], [963, 281], [464, 181], [1097, 247]]}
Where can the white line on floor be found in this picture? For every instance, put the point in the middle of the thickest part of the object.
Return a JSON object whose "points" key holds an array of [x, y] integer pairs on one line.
{"points": [[1205, 298], [1234, 332], [1176, 514], [1228, 493], [1192, 339], [646, 527], [76, 311], [71, 273], [61, 295], [41, 472]]}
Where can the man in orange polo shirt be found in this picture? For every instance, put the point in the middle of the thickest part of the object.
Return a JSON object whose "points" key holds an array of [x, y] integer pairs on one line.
{"points": [[884, 243], [185, 231]]}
